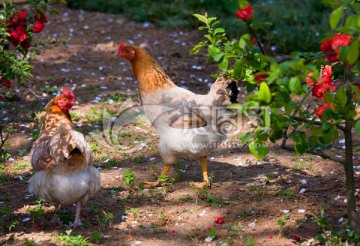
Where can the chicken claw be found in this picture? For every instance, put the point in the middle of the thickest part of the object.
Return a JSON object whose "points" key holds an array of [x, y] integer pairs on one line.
{"points": [[201, 185], [77, 221], [150, 185]]}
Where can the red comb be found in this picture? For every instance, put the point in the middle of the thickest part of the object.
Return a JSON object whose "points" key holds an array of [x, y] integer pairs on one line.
{"points": [[121, 47], [69, 94]]}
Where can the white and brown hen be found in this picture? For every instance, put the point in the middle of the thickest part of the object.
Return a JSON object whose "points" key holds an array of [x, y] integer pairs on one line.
{"points": [[189, 124]]}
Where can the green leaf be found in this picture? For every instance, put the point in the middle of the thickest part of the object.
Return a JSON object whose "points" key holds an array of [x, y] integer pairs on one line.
{"points": [[295, 85], [239, 69], [340, 96], [264, 93], [335, 17], [197, 48], [215, 52], [300, 144], [258, 149], [245, 137], [357, 127], [224, 63], [352, 53], [219, 30], [212, 233], [201, 18]]}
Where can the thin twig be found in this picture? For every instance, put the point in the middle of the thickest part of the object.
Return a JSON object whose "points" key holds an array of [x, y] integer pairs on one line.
{"points": [[293, 114], [318, 123], [321, 154], [257, 39]]}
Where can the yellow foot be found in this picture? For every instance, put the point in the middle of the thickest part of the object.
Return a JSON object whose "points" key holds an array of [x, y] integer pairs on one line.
{"points": [[201, 185], [151, 185]]}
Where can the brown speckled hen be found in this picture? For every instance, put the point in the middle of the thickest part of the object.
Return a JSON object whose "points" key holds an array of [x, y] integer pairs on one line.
{"points": [[62, 159]]}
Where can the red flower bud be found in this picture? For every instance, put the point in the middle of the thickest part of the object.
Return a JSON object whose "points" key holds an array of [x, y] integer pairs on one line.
{"points": [[40, 17], [261, 77], [13, 21], [253, 40], [38, 27], [38, 228], [319, 113], [244, 13], [6, 83], [21, 32], [219, 220], [297, 238], [22, 16], [309, 80], [84, 215]]}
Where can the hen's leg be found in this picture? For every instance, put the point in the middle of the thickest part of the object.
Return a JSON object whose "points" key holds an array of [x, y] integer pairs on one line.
{"points": [[206, 181], [158, 182], [77, 221]]}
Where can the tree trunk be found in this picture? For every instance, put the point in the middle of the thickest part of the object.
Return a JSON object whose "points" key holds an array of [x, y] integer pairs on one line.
{"points": [[350, 180]]}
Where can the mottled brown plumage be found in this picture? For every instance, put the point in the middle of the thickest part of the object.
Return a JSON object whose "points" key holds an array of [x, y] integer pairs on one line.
{"points": [[62, 160]]}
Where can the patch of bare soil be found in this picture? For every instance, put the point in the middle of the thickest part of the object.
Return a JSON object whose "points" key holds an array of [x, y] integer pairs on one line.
{"points": [[271, 202]]}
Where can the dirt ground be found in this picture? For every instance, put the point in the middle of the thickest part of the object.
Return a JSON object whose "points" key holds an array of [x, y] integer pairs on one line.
{"points": [[275, 201]]}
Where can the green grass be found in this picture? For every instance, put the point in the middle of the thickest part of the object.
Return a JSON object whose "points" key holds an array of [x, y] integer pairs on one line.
{"points": [[286, 25]]}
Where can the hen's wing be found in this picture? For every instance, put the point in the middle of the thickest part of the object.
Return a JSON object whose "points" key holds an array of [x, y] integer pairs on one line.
{"points": [[189, 120], [71, 146], [40, 154]]}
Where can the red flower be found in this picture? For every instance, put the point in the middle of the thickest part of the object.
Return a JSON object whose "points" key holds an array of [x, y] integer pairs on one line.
{"points": [[40, 17], [319, 113], [309, 80], [21, 31], [340, 40], [13, 21], [38, 27], [14, 35], [253, 40], [327, 80], [325, 84], [318, 91], [297, 238], [327, 71], [261, 77], [270, 237], [26, 44], [219, 220], [6, 83], [332, 57], [38, 228], [22, 16], [331, 47], [244, 13], [326, 46]]}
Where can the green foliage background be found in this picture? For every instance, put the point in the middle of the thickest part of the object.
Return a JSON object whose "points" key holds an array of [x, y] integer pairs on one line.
{"points": [[286, 25]]}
